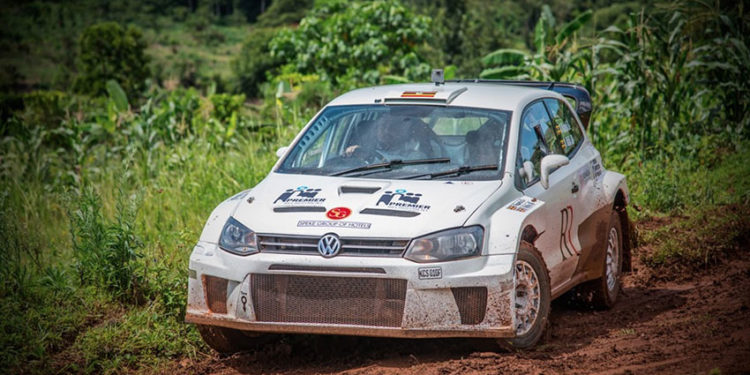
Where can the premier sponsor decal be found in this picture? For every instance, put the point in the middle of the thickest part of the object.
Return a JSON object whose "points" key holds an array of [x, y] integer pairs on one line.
{"points": [[332, 224], [400, 199], [302, 195]]}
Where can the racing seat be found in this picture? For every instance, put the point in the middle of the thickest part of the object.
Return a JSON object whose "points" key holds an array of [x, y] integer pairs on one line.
{"points": [[484, 144]]}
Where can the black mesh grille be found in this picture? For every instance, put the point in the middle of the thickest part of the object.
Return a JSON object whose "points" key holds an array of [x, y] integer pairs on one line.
{"points": [[472, 303], [328, 300], [216, 294]]}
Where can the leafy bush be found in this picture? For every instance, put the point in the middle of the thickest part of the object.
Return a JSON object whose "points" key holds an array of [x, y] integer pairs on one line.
{"points": [[254, 61], [226, 105], [109, 51], [353, 43]]}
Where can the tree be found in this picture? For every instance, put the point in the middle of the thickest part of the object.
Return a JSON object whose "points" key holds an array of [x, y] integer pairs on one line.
{"points": [[355, 42], [107, 51], [253, 61]]}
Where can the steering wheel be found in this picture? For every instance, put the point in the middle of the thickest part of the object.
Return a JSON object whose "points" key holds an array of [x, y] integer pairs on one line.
{"points": [[434, 144], [368, 155]]}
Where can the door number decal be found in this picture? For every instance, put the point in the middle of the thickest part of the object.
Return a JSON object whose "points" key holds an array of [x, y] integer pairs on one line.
{"points": [[566, 224]]}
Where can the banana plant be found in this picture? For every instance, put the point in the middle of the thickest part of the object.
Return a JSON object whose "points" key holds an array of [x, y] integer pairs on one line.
{"points": [[557, 55]]}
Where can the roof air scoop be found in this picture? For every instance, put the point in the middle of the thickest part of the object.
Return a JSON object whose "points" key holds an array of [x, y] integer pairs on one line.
{"points": [[440, 96]]}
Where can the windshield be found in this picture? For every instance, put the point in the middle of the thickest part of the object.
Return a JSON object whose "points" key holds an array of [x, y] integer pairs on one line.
{"points": [[403, 142]]}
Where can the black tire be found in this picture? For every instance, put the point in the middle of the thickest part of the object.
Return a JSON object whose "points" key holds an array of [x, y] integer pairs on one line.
{"points": [[229, 341], [529, 255], [598, 293]]}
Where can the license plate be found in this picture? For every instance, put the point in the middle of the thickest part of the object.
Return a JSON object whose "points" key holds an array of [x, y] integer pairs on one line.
{"points": [[430, 273]]}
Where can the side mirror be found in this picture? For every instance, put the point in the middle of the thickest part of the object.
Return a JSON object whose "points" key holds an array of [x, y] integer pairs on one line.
{"points": [[549, 164], [281, 151]]}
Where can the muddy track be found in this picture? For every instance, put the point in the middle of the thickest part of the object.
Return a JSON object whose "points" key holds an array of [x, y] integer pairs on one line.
{"points": [[690, 327]]}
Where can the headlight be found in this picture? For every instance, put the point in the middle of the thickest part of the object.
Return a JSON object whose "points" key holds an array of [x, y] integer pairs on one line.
{"points": [[237, 238], [446, 245]]}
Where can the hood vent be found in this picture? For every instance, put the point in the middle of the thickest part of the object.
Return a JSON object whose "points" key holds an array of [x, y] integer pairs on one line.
{"points": [[387, 212], [300, 209], [358, 189]]}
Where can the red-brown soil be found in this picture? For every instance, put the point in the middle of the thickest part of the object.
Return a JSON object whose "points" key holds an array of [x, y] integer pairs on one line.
{"points": [[698, 325]]}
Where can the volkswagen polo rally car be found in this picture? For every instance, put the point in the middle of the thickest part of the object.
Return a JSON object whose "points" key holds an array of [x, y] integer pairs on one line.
{"points": [[443, 209]]}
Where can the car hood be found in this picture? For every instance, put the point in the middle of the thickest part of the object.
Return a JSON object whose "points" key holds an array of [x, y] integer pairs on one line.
{"points": [[315, 205]]}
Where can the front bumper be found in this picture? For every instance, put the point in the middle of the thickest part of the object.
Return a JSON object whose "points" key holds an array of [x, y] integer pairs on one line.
{"points": [[362, 296]]}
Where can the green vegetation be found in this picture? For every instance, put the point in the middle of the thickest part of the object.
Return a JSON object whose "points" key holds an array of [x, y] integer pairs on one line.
{"points": [[355, 43], [110, 52], [104, 190]]}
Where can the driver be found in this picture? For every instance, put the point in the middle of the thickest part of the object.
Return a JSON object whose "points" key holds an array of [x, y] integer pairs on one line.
{"points": [[394, 138]]}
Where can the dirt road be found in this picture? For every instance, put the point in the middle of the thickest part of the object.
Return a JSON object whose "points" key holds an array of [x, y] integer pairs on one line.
{"points": [[699, 325]]}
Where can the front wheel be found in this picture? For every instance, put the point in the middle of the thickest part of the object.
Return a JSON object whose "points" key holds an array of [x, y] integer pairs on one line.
{"points": [[532, 299], [228, 341]]}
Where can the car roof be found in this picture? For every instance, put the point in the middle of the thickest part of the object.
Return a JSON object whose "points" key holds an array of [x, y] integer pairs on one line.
{"points": [[461, 94]]}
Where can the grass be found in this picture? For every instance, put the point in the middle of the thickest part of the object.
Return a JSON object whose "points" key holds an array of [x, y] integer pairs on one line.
{"points": [[704, 207], [701, 239], [114, 299]]}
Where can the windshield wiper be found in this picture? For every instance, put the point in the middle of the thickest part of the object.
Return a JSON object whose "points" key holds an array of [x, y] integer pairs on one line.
{"points": [[390, 164], [464, 169]]}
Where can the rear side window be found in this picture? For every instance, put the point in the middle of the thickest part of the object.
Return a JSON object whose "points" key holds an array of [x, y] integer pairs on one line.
{"points": [[566, 127]]}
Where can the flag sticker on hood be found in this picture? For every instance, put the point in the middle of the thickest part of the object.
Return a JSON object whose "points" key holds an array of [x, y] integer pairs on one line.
{"points": [[418, 94], [301, 195], [400, 199]]}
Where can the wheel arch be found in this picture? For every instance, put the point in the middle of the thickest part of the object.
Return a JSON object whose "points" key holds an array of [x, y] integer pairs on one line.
{"points": [[626, 228]]}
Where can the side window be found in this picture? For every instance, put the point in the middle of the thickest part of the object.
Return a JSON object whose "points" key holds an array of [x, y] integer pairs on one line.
{"points": [[570, 134], [536, 139]]}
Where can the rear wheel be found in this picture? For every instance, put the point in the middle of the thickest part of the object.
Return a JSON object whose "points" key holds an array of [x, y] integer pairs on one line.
{"points": [[602, 293], [228, 341], [532, 298]]}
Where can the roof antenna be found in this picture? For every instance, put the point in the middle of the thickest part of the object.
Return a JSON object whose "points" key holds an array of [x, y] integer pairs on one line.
{"points": [[438, 77]]}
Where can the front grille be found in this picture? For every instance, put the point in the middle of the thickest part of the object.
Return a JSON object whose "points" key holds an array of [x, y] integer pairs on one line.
{"points": [[328, 300], [287, 244], [472, 303], [216, 294]]}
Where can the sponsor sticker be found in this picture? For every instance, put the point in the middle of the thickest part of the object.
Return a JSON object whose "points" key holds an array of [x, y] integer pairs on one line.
{"points": [[596, 168], [400, 199], [427, 273], [338, 213], [302, 195], [332, 224], [523, 204]]}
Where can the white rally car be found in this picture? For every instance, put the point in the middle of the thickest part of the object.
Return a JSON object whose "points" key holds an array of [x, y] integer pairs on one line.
{"points": [[444, 209]]}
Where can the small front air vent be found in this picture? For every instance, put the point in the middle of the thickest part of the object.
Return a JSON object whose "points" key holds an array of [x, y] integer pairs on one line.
{"points": [[387, 212], [471, 302], [216, 293], [358, 189], [300, 209]]}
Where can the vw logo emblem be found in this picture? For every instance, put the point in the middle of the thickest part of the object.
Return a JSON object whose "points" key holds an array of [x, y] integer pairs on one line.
{"points": [[329, 245]]}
